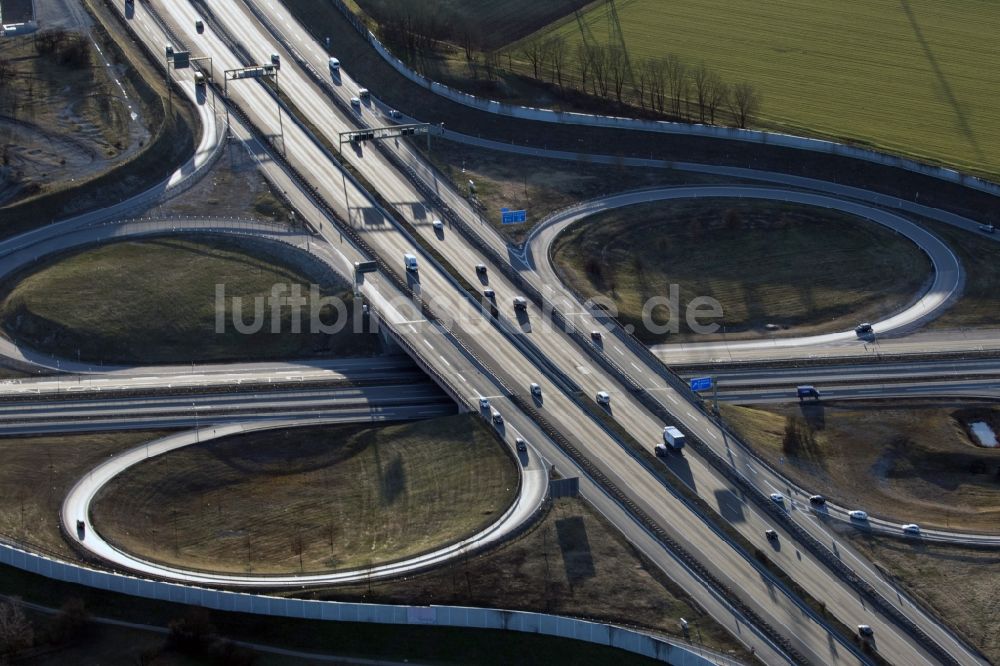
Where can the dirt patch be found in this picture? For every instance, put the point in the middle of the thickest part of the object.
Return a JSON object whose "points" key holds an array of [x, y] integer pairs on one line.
{"points": [[960, 585], [909, 461], [540, 186], [39, 471], [572, 563]]}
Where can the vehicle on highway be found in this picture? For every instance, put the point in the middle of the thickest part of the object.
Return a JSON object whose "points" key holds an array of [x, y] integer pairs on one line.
{"points": [[394, 114], [199, 26], [364, 93], [911, 528], [817, 500], [806, 391], [438, 225], [520, 303], [410, 262], [674, 438], [536, 390], [987, 228], [863, 329], [865, 630], [199, 79], [603, 398], [490, 294], [595, 336], [521, 444], [858, 515], [497, 418], [355, 102], [484, 403], [777, 498], [771, 535], [334, 64], [480, 269]]}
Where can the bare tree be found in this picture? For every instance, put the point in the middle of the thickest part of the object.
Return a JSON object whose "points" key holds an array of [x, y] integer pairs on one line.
{"points": [[718, 92], [557, 56], [678, 86], [585, 60], [297, 547], [643, 83], [16, 632], [701, 77], [535, 54], [657, 82], [744, 103], [599, 67], [617, 70]]}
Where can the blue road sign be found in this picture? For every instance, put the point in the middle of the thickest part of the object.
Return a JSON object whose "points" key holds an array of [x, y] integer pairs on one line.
{"points": [[701, 383], [513, 216]]}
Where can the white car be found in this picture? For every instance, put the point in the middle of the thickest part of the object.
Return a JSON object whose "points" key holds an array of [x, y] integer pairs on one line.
{"points": [[911, 528], [865, 630], [536, 390], [355, 102], [438, 225], [521, 444], [484, 403], [858, 515], [987, 228], [334, 64], [497, 417], [777, 498], [603, 398]]}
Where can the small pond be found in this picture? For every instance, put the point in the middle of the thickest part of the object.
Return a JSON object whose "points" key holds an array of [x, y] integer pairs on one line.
{"points": [[983, 434]]}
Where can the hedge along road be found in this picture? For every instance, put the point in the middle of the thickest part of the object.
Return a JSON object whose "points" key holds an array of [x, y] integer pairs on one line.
{"points": [[76, 507], [949, 276]]}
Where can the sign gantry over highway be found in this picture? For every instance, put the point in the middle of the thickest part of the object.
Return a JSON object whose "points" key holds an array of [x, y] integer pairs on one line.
{"points": [[388, 132]]}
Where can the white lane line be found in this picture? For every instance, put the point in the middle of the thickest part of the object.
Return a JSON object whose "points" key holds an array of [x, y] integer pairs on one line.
{"points": [[672, 398], [713, 435], [428, 344], [636, 367], [691, 415], [459, 375], [445, 360], [751, 469], [620, 352]]}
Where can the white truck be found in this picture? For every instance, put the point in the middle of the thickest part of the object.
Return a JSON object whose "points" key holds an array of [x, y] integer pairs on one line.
{"points": [[673, 437]]}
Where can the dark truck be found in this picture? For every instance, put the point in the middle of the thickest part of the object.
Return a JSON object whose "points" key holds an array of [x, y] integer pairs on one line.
{"points": [[807, 392]]}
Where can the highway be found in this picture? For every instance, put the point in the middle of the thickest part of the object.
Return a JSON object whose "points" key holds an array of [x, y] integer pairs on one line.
{"points": [[70, 414], [554, 346], [496, 358]]}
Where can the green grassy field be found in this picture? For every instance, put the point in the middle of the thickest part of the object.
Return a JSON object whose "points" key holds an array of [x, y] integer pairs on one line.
{"points": [[492, 23], [345, 496], [803, 268], [153, 301], [911, 461], [915, 77]]}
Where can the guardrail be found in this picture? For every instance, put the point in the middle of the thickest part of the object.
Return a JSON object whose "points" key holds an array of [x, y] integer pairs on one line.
{"points": [[754, 620], [599, 633], [663, 126]]}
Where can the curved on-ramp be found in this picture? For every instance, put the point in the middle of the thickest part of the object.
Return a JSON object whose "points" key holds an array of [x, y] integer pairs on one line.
{"points": [[76, 507], [947, 284]]}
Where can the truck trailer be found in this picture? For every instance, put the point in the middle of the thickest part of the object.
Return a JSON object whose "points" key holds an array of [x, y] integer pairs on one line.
{"points": [[673, 437]]}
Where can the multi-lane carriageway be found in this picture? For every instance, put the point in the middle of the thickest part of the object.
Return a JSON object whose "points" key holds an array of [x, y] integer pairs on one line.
{"points": [[524, 352]]}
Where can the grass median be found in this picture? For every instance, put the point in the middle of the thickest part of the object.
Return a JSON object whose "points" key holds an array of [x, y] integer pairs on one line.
{"points": [[796, 269], [154, 301], [911, 461], [313, 499]]}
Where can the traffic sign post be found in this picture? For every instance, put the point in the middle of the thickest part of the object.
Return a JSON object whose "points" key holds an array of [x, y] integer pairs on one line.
{"points": [[705, 383]]}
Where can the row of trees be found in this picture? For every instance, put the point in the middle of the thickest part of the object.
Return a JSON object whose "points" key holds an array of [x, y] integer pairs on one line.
{"points": [[665, 85]]}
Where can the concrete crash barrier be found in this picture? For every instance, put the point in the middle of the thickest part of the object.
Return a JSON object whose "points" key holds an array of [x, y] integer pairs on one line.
{"points": [[623, 638]]}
